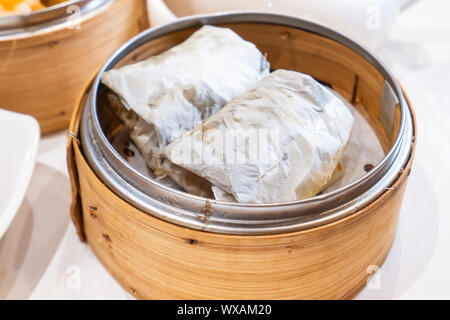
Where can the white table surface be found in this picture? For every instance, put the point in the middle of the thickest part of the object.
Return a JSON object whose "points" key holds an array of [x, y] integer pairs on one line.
{"points": [[42, 258]]}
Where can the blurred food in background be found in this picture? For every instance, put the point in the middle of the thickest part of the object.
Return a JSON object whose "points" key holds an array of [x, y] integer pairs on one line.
{"points": [[8, 7]]}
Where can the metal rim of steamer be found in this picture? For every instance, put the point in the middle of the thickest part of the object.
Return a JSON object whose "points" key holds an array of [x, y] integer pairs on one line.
{"points": [[208, 215], [52, 16]]}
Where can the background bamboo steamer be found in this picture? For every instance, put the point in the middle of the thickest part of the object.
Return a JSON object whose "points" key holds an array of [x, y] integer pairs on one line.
{"points": [[155, 259], [43, 71]]}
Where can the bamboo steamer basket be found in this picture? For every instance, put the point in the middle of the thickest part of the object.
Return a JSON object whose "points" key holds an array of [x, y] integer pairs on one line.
{"points": [[164, 244], [47, 56]]}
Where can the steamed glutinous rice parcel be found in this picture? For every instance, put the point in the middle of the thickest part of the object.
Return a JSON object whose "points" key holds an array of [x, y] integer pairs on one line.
{"points": [[164, 96], [279, 141]]}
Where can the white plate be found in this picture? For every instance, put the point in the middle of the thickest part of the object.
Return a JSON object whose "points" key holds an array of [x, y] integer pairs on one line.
{"points": [[19, 138]]}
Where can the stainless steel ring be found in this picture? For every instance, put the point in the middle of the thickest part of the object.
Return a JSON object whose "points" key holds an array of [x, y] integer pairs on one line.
{"points": [[242, 219]]}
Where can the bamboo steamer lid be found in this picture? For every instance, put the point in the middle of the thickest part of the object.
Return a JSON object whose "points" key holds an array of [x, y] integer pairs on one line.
{"points": [[47, 56], [160, 243]]}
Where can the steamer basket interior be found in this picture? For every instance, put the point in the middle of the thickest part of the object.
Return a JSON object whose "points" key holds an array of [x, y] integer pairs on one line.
{"points": [[289, 43], [329, 62]]}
